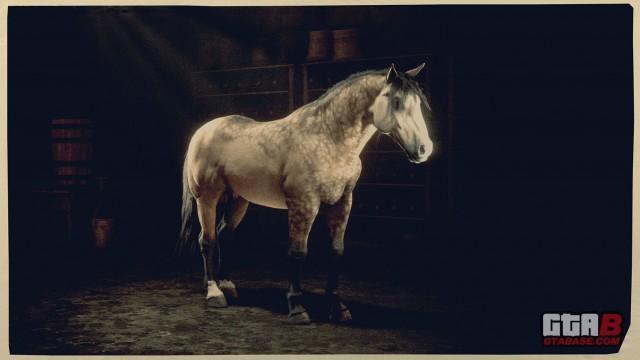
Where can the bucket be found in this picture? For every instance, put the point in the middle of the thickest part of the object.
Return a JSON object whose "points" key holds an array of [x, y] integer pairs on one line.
{"points": [[102, 232], [72, 150]]}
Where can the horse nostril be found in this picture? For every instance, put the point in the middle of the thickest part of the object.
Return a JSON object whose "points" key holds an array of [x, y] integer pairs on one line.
{"points": [[422, 150]]}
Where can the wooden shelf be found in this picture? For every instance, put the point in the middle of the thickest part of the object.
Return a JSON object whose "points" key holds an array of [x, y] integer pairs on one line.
{"points": [[264, 67], [365, 60], [279, 92]]}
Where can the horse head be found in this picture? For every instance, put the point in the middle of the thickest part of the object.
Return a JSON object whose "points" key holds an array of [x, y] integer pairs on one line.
{"points": [[398, 112]]}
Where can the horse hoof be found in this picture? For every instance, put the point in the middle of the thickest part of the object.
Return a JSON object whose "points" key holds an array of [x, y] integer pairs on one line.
{"points": [[344, 316], [340, 313], [217, 301], [228, 288], [301, 318]]}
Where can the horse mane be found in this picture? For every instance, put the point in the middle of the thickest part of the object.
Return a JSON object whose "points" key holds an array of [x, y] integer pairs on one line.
{"points": [[405, 82], [348, 81]]}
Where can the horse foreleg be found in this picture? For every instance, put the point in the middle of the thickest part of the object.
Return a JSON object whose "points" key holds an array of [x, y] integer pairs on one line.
{"points": [[337, 217], [302, 213], [207, 217]]}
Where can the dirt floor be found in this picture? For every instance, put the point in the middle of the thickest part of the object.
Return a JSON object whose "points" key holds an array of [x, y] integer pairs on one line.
{"points": [[169, 316]]}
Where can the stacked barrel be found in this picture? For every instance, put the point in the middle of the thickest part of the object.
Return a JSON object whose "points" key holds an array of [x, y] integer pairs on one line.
{"points": [[345, 45], [72, 146], [72, 150]]}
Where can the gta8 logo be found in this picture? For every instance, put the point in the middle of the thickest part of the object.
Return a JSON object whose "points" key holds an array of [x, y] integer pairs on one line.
{"points": [[586, 329]]}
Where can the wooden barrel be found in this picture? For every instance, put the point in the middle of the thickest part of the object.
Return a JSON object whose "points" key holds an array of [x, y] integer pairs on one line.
{"points": [[319, 42], [72, 150], [345, 44]]}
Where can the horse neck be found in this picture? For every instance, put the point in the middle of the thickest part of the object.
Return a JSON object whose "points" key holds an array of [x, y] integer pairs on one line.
{"points": [[345, 114]]}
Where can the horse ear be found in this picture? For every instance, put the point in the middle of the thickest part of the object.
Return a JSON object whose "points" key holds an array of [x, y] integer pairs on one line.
{"points": [[414, 72], [392, 74]]}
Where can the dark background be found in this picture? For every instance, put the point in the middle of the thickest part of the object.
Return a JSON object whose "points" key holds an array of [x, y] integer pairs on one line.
{"points": [[538, 103]]}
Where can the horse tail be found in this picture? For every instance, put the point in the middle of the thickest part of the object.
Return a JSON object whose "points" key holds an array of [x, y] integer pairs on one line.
{"points": [[187, 211]]}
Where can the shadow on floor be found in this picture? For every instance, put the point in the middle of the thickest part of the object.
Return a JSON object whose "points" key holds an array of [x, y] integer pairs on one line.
{"points": [[365, 315]]}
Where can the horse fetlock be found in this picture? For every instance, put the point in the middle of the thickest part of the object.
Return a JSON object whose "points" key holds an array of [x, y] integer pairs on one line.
{"points": [[294, 300], [212, 289], [228, 288]]}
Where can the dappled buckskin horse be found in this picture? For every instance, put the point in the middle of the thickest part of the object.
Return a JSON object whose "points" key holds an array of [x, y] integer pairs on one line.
{"points": [[308, 158]]}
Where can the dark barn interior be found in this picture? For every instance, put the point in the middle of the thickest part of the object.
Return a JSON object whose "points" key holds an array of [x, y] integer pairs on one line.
{"points": [[524, 208]]}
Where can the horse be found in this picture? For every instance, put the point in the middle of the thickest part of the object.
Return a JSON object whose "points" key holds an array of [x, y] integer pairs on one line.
{"points": [[308, 158]]}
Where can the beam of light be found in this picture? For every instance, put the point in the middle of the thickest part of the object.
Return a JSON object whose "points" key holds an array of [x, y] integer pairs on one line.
{"points": [[118, 49], [172, 67]]}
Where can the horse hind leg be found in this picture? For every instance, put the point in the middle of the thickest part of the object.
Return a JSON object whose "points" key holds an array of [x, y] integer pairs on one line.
{"points": [[206, 205], [233, 210]]}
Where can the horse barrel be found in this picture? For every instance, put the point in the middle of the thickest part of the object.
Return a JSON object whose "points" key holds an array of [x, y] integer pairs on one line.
{"points": [[72, 150]]}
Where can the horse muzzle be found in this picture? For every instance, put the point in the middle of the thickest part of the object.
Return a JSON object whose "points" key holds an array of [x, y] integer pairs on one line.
{"points": [[421, 154]]}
